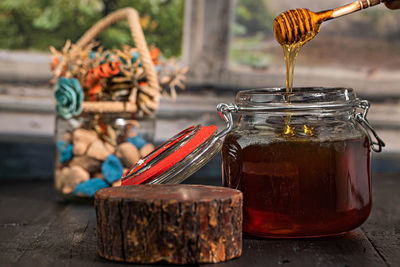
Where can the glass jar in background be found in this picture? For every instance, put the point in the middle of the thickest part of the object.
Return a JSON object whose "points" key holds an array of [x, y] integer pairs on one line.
{"points": [[302, 162], [94, 150]]}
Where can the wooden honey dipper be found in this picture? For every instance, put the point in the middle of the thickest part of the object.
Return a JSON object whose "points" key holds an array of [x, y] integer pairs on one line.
{"points": [[301, 25]]}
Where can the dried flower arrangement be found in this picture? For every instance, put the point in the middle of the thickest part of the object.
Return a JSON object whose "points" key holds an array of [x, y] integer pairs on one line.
{"points": [[85, 74]]}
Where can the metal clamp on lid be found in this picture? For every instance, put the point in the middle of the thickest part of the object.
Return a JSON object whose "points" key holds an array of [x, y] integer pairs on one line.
{"points": [[361, 118], [224, 110]]}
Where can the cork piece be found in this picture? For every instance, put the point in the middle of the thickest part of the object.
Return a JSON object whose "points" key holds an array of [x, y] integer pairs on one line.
{"points": [[88, 163], [116, 183], [69, 177], [177, 224], [128, 154], [99, 150], [146, 149], [81, 140], [109, 147]]}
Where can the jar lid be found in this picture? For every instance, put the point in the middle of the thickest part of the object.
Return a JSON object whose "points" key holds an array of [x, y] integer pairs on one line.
{"points": [[180, 156]]}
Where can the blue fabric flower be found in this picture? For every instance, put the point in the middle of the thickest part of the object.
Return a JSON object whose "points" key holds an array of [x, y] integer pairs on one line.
{"points": [[92, 54], [112, 169], [135, 57], [69, 96], [88, 188], [137, 141], [65, 151]]}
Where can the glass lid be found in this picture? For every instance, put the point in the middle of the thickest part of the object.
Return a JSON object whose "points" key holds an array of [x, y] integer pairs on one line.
{"points": [[180, 156], [301, 98]]}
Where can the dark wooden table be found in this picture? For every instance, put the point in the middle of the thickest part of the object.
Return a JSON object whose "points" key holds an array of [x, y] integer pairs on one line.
{"points": [[38, 229]]}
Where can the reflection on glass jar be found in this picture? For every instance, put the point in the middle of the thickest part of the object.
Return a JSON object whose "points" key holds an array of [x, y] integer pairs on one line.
{"points": [[94, 150], [313, 180]]}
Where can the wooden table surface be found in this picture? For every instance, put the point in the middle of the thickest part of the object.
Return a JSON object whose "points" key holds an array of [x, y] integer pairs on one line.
{"points": [[38, 229]]}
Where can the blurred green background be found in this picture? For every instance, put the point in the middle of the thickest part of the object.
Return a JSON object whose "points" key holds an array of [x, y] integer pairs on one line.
{"points": [[37, 24]]}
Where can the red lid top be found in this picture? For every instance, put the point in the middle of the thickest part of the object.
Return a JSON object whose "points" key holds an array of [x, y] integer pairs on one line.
{"points": [[174, 156]]}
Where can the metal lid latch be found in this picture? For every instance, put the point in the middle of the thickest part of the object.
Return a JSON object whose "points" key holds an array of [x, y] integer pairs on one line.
{"points": [[361, 118]]}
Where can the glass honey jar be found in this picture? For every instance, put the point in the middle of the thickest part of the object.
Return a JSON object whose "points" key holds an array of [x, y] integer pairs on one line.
{"points": [[303, 166]]}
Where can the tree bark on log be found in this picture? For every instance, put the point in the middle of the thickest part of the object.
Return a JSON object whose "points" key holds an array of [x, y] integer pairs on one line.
{"points": [[177, 224]]}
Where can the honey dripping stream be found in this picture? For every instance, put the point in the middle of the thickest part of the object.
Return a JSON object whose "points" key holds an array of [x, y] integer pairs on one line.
{"points": [[292, 30]]}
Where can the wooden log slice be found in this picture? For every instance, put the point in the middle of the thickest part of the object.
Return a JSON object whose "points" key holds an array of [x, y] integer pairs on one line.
{"points": [[176, 224]]}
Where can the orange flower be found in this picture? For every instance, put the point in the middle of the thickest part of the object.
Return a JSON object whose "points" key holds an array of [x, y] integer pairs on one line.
{"points": [[54, 63], [154, 54], [93, 77]]}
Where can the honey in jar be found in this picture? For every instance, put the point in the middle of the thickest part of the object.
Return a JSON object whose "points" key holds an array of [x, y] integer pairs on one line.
{"points": [[314, 181]]}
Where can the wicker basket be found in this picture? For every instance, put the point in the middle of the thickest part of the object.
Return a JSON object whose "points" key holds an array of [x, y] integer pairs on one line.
{"points": [[153, 93]]}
